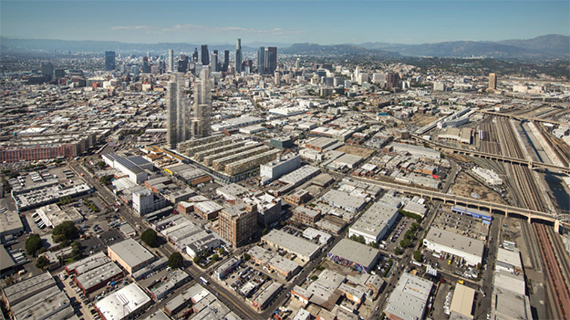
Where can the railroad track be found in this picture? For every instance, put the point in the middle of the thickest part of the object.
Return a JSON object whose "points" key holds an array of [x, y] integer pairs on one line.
{"points": [[554, 273], [561, 255], [559, 147]]}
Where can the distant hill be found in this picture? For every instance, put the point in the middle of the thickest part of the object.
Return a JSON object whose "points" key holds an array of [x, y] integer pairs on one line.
{"points": [[312, 49], [543, 47]]}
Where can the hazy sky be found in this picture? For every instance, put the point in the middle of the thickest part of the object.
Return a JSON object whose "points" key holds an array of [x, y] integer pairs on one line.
{"points": [[323, 22]]}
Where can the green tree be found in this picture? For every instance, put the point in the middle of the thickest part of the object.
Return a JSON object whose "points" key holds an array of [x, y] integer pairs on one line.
{"points": [[246, 257], [398, 250], [42, 263], [405, 243], [373, 244], [418, 255], [149, 237], [215, 257], [196, 259], [101, 164], [313, 278], [65, 231], [175, 260], [33, 244], [221, 251]]}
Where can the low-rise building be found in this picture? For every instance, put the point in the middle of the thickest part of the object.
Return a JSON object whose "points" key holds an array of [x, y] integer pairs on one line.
{"points": [[298, 197], [304, 249], [375, 223], [468, 248], [127, 303], [344, 201], [306, 216], [130, 255], [355, 255], [409, 299]]}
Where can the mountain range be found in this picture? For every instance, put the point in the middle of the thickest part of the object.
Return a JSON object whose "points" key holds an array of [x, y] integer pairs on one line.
{"points": [[542, 47]]}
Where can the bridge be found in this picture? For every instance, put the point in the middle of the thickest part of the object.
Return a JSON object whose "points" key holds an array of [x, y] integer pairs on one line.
{"points": [[491, 207], [490, 156], [520, 118]]}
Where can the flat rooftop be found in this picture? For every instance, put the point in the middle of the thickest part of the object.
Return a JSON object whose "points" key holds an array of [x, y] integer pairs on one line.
{"points": [[356, 252], [462, 301], [456, 241], [131, 252], [291, 243], [120, 304]]}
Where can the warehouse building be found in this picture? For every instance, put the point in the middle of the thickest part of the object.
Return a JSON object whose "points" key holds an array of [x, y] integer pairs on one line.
{"points": [[10, 224], [265, 297], [99, 277], [127, 303], [484, 216], [27, 288], [344, 201], [306, 216], [409, 299], [354, 255], [304, 249], [462, 302], [130, 255], [319, 144], [375, 223], [467, 248], [282, 165], [416, 151], [135, 167]]}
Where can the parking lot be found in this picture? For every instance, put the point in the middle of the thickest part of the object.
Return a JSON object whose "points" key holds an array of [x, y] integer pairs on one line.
{"points": [[392, 240]]}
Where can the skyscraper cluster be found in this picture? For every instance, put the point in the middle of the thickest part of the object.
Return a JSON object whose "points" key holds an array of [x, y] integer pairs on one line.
{"points": [[266, 60]]}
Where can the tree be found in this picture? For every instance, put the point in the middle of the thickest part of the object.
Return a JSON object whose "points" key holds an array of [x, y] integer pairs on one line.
{"points": [[215, 257], [246, 257], [65, 231], [101, 164], [33, 244], [418, 255], [149, 237], [9, 281], [196, 259], [221, 251], [175, 260], [398, 250], [374, 245], [42, 263], [313, 278], [405, 243]]}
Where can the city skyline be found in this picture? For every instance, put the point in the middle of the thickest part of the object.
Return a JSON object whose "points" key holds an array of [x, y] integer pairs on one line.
{"points": [[407, 22]]}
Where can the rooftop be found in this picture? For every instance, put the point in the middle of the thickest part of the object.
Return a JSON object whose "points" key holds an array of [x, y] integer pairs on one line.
{"points": [[355, 252], [120, 304], [291, 243], [131, 252], [462, 301], [456, 241]]}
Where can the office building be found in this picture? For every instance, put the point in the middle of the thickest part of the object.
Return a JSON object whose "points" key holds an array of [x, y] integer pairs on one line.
{"points": [[170, 60], [109, 60], [238, 223], [214, 61], [145, 65], [226, 60], [145, 202], [492, 81], [182, 64], [195, 55], [261, 60], [47, 70], [239, 57], [205, 55], [392, 80], [130, 255], [270, 59]]}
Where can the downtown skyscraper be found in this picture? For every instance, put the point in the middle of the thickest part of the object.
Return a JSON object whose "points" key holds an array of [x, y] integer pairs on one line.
{"points": [[239, 56], [226, 60], [270, 60], [170, 60], [205, 55], [202, 105], [261, 60], [109, 60]]}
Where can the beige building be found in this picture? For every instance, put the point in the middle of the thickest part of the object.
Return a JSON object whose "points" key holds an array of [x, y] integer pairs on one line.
{"points": [[238, 223], [492, 81], [130, 255]]}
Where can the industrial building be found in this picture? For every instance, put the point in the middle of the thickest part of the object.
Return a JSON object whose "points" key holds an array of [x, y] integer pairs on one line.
{"points": [[489, 176], [52, 215], [130, 255], [27, 288], [136, 167], [306, 216], [320, 144], [344, 201], [45, 193], [468, 248], [409, 299], [298, 197], [484, 216], [375, 223], [127, 303], [10, 224], [275, 169], [99, 277], [304, 249], [462, 302], [354, 255], [236, 123], [415, 151], [263, 299], [464, 135]]}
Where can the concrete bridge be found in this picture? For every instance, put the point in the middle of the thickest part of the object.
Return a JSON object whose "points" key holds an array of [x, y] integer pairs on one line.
{"points": [[520, 118], [491, 207], [490, 156]]}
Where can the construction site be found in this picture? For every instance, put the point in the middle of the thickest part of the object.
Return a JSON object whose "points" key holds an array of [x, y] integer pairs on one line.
{"points": [[228, 159]]}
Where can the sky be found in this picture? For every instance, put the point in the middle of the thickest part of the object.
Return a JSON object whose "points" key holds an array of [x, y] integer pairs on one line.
{"points": [[287, 22]]}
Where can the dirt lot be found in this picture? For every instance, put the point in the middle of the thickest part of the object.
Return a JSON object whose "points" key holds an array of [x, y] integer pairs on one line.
{"points": [[466, 185], [421, 119], [356, 151]]}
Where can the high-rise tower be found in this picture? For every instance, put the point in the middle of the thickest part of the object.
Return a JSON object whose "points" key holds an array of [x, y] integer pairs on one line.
{"points": [[109, 60], [195, 55], [261, 60], [214, 61], [492, 81], [202, 105], [226, 60], [270, 59], [238, 56], [47, 70], [170, 60], [205, 55], [179, 111]]}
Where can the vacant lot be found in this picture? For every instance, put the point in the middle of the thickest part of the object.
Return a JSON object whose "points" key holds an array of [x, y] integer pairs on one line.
{"points": [[422, 119], [465, 185], [356, 151]]}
